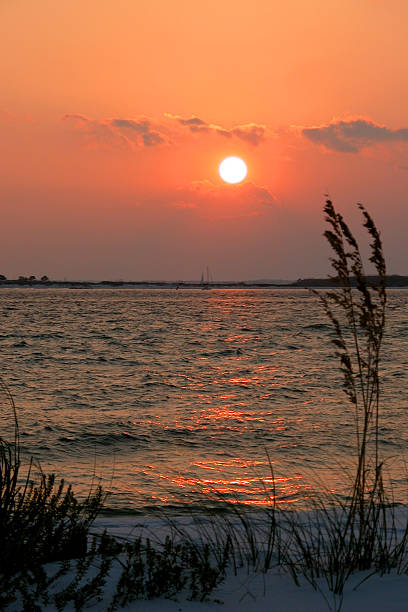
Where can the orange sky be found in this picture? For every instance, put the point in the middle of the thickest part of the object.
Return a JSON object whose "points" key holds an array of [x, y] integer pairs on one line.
{"points": [[114, 116]]}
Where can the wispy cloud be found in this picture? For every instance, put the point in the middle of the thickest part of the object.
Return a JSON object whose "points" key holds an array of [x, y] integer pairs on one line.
{"points": [[118, 133], [352, 135], [250, 132]]}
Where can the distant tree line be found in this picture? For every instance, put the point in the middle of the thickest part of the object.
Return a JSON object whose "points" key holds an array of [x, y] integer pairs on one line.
{"points": [[27, 279]]}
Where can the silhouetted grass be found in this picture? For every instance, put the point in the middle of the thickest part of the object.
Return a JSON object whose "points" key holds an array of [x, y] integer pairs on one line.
{"points": [[41, 520], [336, 538]]}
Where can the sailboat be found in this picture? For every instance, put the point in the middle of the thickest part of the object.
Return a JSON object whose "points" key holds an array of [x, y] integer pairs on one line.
{"points": [[207, 279]]}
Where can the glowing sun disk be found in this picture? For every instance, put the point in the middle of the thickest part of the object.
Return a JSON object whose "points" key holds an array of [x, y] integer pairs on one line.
{"points": [[232, 169]]}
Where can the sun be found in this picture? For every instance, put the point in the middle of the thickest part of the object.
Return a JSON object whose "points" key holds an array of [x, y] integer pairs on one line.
{"points": [[232, 169]]}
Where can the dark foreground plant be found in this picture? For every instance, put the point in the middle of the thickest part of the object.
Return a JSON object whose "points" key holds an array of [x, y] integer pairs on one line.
{"points": [[41, 521], [357, 313], [338, 538], [165, 569]]}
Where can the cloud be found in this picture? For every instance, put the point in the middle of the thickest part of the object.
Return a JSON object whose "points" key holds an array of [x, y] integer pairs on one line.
{"points": [[224, 201], [251, 132], [143, 132], [193, 122], [352, 135], [117, 133]]}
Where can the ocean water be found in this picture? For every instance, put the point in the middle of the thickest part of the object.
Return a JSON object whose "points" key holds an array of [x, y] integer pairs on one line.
{"points": [[165, 395]]}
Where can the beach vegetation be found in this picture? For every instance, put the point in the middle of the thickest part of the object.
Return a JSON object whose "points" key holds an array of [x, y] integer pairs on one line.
{"points": [[338, 537], [41, 520]]}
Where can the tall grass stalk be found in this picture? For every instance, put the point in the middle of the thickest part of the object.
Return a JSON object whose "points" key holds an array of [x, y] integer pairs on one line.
{"points": [[357, 313], [340, 537]]}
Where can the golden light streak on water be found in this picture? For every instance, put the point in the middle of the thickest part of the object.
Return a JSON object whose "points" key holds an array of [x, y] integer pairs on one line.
{"points": [[165, 391]]}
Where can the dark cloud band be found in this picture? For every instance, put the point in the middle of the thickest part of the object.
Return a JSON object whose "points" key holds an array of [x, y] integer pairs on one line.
{"points": [[251, 132], [350, 136], [122, 133]]}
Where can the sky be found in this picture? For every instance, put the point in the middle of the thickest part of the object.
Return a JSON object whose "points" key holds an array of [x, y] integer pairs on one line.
{"points": [[115, 115]]}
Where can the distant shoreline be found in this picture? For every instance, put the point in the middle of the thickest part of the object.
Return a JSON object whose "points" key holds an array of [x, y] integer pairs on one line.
{"points": [[393, 281]]}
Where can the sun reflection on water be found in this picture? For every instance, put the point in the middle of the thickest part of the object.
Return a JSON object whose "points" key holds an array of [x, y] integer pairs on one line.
{"points": [[149, 385], [235, 481]]}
